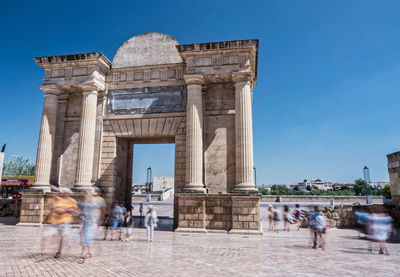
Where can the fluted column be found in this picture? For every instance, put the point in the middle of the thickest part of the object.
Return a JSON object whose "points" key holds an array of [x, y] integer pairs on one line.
{"points": [[86, 140], [194, 134], [46, 138], [243, 134]]}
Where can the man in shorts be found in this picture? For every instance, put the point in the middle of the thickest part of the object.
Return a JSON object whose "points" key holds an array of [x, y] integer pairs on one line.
{"points": [[116, 218]]}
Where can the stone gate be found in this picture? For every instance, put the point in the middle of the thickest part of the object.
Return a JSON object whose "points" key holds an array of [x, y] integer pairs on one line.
{"points": [[198, 96]]}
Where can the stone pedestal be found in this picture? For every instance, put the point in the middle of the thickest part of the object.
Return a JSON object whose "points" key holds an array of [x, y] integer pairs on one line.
{"points": [[394, 175], [86, 140], [243, 134], [36, 206], [232, 213], [194, 135], [46, 139]]}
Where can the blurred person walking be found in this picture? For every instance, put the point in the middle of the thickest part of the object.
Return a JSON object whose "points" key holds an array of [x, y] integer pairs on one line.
{"points": [[122, 223], [90, 207], [297, 216], [116, 219], [107, 225], [129, 225], [379, 229], [318, 225], [275, 219], [270, 218], [287, 219], [60, 218], [150, 222]]}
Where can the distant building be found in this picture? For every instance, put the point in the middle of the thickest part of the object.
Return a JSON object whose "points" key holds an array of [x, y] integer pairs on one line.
{"points": [[161, 183], [139, 188], [378, 185]]}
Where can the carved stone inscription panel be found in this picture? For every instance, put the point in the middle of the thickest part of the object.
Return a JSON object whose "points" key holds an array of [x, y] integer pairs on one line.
{"points": [[147, 100]]}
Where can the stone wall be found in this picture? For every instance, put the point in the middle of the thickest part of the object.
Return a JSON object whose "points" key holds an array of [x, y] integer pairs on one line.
{"points": [[10, 207], [342, 216], [34, 209], [320, 199], [218, 213], [142, 197]]}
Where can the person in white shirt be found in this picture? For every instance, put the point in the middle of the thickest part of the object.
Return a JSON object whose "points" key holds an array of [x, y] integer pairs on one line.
{"points": [[150, 222]]}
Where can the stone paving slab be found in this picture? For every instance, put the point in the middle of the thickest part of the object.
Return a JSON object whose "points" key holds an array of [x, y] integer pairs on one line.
{"points": [[179, 254]]}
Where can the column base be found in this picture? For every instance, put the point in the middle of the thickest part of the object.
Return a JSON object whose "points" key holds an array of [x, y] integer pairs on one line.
{"points": [[82, 186], [41, 187], [245, 188], [194, 188]]}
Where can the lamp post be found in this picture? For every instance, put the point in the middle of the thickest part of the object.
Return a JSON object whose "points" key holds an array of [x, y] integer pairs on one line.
{"points": [[149, 181], [2, 160], [367, 181], [255, 176]]}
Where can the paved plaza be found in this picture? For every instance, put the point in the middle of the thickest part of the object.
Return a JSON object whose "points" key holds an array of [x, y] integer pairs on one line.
{"points": [[180, 254]]}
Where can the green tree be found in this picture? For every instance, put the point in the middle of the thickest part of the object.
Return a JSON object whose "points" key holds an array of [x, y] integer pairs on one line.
{"points": [[360, 187], [386, 191], [279, 190], [263, 191], [18, 166]]}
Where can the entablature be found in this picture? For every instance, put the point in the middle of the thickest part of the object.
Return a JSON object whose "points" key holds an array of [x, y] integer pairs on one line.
{"points": [[145, 76], [76, 69], [221, 58]]}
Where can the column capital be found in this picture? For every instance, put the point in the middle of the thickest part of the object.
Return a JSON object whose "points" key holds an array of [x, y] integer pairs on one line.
{"points": [[91, 87], [51, 89], [196, 79], [87, 92], [242, 77]]}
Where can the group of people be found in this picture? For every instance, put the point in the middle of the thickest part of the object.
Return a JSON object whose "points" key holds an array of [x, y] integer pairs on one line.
{"points": [[121, 218], [89, 209], [289, 217], [376, 226], [316, 222]]}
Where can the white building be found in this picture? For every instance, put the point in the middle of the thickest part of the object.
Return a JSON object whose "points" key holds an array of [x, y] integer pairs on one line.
{"points": [[161, 183]]}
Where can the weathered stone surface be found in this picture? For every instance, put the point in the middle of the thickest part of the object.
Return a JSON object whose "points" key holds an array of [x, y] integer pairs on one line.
{"points": [[147, 49]]}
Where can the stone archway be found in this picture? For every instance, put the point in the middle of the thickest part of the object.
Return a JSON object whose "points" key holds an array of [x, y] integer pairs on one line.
{"points": [[196, 95]]}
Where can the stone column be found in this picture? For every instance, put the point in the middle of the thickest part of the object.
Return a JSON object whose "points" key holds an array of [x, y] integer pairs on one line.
{"points": [[243, 134], [46, 139], [194, 134], [86, 139]]}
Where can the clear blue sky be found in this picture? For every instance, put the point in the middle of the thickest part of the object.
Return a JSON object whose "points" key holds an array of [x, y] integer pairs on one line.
{"points": [[328, 92]]}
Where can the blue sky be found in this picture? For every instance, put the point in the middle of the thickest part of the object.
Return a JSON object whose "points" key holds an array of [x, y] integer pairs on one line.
{"points": [[328, 90]]}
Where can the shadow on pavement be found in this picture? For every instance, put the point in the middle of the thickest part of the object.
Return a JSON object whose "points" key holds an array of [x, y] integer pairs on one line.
{"points": [[9, 220]]}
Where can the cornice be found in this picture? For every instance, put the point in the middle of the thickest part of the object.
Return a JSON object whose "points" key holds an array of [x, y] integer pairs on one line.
{"points": [[207, 46], [66, 60]]}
